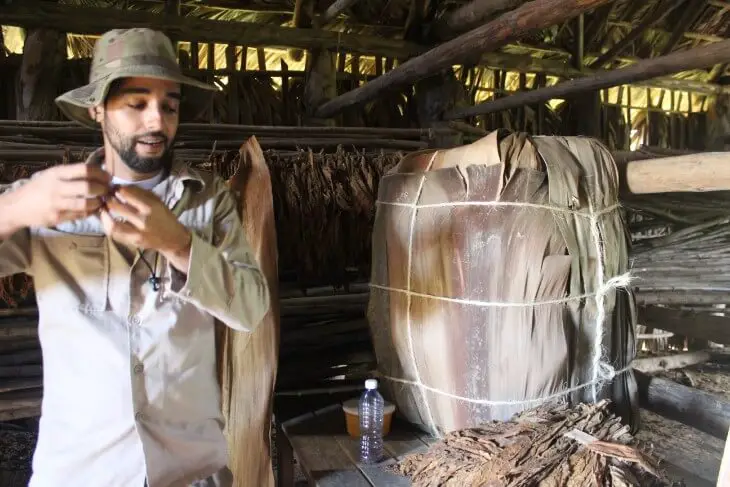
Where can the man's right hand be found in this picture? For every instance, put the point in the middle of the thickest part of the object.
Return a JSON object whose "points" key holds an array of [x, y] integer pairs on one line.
{"points": [[62, 193]]}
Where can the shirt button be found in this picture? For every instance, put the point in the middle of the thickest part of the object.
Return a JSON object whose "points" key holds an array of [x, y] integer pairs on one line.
{"points": [[139, 416], [138, 368], [134, 319]]}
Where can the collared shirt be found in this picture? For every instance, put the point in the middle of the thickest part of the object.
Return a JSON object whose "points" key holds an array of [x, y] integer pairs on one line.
{"points": [[129, 374]]}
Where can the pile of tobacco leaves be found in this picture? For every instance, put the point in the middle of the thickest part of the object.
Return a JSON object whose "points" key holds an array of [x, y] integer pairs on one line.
{"points": [[550, 446]]}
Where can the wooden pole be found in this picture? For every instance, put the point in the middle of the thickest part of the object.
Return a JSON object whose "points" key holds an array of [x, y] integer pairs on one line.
{"points": [[706, 412], [697, 58], [530, 16]]}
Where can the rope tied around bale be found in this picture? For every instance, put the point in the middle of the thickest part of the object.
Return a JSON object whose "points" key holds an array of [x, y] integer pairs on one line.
{"points": [[602, 372]]}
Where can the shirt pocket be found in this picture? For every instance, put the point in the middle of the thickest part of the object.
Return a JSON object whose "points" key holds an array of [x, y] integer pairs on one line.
{"points": [[72, 270]]}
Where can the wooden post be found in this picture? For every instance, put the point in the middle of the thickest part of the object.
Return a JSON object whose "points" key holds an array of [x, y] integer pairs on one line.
{"points": [[530, 16], [233, 80], [696, 58], [44, 54]]}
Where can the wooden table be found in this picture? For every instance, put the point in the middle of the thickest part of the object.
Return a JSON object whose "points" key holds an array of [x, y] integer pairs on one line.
{"points": [[330, 457]]}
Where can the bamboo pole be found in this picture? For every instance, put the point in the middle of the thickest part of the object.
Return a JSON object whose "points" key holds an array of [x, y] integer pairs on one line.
{"points": [[530, 16], [697, 58]]}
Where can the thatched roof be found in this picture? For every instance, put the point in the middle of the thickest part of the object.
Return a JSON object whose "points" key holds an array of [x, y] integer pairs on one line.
{"points": [[392, 19]]}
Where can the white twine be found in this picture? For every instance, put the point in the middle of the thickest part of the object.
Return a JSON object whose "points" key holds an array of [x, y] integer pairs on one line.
{"points": [[602, 372]]}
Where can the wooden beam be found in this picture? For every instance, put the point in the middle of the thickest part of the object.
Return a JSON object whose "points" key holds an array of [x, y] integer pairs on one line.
{"points": [[530, 16], [334, 10], [469, 16], [706, 412], [652, 365], [93, 20], [562, 69], [687, 323], [696, 58]]}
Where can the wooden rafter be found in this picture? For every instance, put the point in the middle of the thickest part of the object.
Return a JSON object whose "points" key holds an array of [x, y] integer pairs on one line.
{"points": [[533, 15], [255, 35], [700, 57]]}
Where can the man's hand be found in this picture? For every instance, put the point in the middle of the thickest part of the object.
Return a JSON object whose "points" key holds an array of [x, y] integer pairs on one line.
{"points": [[147, 223], [62, 193]]}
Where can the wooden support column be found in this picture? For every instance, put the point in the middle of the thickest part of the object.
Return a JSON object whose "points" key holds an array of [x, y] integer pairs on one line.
{"points": [[44, 53], [320, 85], [233, 80], [530, 16], [697, 58], [172, 8]]}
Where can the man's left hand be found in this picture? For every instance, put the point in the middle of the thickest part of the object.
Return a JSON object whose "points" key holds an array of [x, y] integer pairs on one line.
{"points": [[147, 223]]}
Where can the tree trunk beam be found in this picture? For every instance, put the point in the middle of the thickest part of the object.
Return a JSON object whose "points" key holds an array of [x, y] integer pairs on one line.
{"points": [[669, 362], [697, 58], [531, 16], [701, 410]]}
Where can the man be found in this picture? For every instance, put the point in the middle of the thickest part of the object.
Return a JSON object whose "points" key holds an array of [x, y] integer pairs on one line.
{"points": [[133, 257]]}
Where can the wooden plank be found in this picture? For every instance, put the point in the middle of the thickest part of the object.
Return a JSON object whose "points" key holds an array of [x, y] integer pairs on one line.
{"points": [[314, 441], [706, 412], [402, 440], [700, 57], [517, 23], [95, 21]]}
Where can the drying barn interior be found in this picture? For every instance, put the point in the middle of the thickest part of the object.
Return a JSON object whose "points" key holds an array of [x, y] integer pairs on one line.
{"points": [[348, 109]]}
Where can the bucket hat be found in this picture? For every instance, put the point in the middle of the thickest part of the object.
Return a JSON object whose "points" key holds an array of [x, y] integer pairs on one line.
{"points": [[124, 53]]}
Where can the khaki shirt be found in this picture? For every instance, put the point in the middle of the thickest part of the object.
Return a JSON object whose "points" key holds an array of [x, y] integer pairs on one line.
{"points": [[130, 386]]}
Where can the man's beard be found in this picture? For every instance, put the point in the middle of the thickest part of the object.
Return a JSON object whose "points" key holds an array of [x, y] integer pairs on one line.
{"points": [[125, 147]]}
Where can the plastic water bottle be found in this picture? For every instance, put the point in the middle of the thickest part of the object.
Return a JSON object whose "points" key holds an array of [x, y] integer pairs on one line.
{"points": [[371, 423]]}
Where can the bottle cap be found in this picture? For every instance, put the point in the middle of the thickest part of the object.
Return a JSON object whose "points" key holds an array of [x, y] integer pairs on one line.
{"points": [[371, 384]]}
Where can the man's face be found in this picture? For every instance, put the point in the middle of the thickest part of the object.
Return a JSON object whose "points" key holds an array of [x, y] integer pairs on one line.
{"points": [[140, 120]]}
